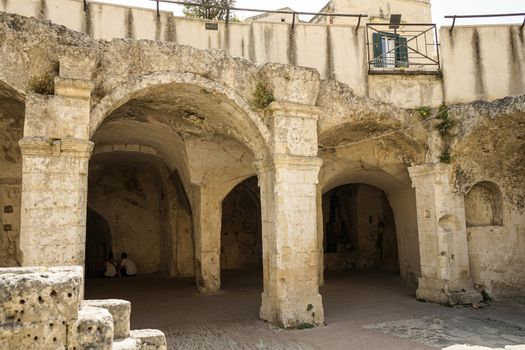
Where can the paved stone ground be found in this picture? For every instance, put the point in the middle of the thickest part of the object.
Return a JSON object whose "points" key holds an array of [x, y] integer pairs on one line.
{"points": [[372, 310]]}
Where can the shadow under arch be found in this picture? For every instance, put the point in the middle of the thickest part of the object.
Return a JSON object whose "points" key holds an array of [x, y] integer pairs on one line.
{"points": [[202, 97], [12, 119], [401, 197]]}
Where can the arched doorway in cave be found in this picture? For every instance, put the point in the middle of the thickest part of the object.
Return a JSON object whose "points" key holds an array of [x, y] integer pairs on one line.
{"points": [[359, 230], [241, 232]]}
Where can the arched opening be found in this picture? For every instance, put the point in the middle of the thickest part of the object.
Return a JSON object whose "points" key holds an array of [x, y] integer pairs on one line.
{"points": [[370, 183], [135, 201], [241, 231], [483, 205], [12, 110], [167, 154], [359, 230]]}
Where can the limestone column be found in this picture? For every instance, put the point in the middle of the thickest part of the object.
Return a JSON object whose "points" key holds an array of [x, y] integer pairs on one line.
{"points": [[288, 183], [207, 218], [54, 201], [55, 157], [445, 273]]}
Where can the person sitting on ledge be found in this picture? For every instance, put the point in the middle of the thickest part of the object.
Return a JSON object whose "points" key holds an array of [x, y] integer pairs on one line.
{"points": [[127, 266]]}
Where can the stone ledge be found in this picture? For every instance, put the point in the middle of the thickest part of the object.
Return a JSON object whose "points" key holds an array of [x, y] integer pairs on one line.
{"points": [[149, 339], [120, 310]]}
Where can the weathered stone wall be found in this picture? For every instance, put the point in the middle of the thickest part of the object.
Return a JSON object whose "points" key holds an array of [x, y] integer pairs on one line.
{"points": [[468, 54], [489, 154], [483, 62], [129, 198]]}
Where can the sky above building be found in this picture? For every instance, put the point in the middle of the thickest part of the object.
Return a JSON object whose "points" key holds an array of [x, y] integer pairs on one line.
{"points": [[440, 8]]}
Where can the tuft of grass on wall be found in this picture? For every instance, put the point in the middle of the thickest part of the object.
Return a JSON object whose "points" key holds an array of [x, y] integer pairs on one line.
{"points": [[262, 95]]}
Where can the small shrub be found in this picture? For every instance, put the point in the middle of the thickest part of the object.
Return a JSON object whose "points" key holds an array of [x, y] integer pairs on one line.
{"points": [[44, 84], [445, 157], [445, 126], [424, 111], [262, 96]]}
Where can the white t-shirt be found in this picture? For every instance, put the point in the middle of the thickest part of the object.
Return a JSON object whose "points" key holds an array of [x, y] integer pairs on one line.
{"points": [[111, 270], [129, 266]]}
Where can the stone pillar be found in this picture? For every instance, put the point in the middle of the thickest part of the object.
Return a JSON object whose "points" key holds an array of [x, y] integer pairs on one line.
{"points": [[54, 201], [288, 182], [207, 218], [55, 157], [445, 274]]}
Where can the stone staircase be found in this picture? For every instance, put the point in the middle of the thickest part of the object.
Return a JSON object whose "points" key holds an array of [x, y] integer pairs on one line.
{"points": [[42, 308]]}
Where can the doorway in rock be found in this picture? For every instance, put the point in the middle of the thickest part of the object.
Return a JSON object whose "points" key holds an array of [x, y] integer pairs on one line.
{"points": [[98, 244], [359, 230], [241, 237]]}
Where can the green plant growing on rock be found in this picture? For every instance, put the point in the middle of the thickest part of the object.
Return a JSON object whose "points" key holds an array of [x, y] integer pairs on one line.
{"points": [[444, 128], [45, 84], [262, 95], [424, 111]]}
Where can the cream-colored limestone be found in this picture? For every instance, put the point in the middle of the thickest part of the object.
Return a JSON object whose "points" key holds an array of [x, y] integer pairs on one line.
{"points": [[40, 302], [288, 184], [120, 311], [54, 197], [189, 110], [207, 227], [55, 163], [413, 11], [470, 56], [445, 272], [41, 308]]}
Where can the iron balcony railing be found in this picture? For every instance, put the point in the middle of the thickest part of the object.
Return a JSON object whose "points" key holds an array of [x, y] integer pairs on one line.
{"points": [[408, 47]]}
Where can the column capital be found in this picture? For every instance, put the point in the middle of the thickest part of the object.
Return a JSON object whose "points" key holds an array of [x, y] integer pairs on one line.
{"points": [[428, 169], [44, 146], [420, 174], [296, 110], [74, 88], [287, 161]]}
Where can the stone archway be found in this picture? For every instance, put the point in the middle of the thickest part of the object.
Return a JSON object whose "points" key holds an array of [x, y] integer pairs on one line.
{"points": [[201, 130], [359, 230], [246, 125]]}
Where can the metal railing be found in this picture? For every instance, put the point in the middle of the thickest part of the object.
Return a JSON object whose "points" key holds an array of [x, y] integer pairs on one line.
{"points": [[293, 13], [409, 47], [486, 16]]}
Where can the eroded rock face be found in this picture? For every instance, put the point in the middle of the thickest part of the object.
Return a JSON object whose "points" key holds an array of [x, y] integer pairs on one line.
{"points": [[38, 306], [41, 308]]}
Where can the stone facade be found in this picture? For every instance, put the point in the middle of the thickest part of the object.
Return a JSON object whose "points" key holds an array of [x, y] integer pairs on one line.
{"points": [[180, 128]]}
